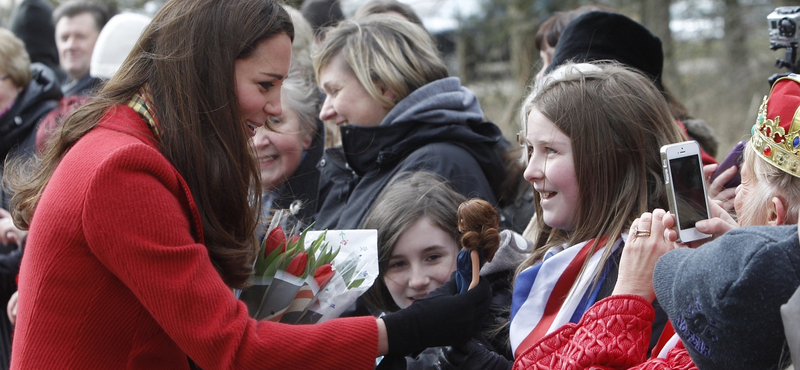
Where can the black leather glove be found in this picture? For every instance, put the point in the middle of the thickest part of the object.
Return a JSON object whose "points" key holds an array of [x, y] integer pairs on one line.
{"points": [[438, 320], [472, 356]]}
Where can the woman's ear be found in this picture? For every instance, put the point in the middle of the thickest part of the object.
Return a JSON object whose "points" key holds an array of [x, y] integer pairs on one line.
{"points": [[777, 213], [387, 92], [308, 137]]}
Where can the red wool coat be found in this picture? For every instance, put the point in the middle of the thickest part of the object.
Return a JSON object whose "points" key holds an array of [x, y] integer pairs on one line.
{"points": [[612, 334], [115, 275]]}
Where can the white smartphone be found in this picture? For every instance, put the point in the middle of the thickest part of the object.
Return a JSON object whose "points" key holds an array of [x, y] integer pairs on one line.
{"points": [[686, 188]]}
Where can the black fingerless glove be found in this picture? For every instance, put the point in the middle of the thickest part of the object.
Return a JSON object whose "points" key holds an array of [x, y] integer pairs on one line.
{"points": [[472, 356], [439, 320]]}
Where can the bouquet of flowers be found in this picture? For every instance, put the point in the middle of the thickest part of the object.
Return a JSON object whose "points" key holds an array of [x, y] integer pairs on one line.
{"points": [[310, 277]]}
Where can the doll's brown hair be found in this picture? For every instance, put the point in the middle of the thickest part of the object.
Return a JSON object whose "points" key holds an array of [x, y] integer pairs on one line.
{"points": [[478, 222]]}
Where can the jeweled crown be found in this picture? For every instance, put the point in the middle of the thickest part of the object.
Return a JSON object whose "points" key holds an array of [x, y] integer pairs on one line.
{"points": [[776, 134]]}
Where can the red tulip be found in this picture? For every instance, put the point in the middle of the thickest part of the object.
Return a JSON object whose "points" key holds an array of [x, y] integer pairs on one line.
{"points": [[298, 264], [323, 274], [276, 239]]}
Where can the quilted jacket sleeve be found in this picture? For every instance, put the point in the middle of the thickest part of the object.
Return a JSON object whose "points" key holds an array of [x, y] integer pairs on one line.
{"points": [[677, 359], [612, 334]]}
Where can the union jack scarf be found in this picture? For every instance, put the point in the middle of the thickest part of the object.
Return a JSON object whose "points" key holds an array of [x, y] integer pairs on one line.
{"points": [[544, 298]]}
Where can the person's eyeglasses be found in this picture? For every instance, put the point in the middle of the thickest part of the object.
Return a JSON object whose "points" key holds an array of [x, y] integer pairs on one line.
{"points": [[526, 150]]}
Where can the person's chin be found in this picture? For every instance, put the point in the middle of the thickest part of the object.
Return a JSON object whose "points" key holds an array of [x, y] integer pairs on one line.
{"points": [[268, 181]]}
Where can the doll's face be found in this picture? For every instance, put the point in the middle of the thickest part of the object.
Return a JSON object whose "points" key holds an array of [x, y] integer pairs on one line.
{"points": [[422, 260]]}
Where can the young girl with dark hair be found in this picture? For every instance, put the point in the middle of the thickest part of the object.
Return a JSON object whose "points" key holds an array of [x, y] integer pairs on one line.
{"points": [[419, 237]]}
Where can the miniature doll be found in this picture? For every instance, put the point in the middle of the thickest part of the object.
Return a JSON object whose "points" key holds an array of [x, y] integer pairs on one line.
{"points": [[478, 223]]}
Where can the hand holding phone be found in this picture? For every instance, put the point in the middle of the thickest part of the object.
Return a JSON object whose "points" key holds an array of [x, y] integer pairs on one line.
{"points": [[686, 188], [734, 158]]}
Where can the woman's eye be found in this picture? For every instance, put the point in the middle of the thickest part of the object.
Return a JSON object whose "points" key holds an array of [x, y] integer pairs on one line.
{"points": [[266, 85], [434, 257], [550, 150], [396, 265], [275, 120]]}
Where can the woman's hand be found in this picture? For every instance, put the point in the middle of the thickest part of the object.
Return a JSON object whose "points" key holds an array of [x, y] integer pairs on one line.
{"points": [[640, 255], [716, 189], [719, 223]]}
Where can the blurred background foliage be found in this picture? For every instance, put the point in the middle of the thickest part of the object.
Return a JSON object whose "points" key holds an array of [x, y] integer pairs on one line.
{"points": [[717, 55], [717, 52]]}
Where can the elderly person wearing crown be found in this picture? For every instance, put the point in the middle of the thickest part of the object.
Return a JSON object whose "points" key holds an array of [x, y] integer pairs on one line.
{"points": [[724, 297]]}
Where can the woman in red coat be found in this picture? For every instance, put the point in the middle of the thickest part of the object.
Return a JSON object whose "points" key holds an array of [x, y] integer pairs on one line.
{"points": [[144, 222]]}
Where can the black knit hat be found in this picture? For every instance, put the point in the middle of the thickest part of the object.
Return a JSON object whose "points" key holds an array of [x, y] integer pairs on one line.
{"points": [[723, 298], [610, 36]]}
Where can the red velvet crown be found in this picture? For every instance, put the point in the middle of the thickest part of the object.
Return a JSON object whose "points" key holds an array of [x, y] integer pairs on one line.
{"points": [[776, 134]]}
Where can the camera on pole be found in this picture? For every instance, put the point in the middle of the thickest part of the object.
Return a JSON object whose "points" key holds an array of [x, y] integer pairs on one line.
{"points": [[783, 34]]}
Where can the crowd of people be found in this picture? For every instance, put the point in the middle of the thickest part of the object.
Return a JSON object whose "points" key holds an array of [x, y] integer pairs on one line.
{"points": [[139, 179]]}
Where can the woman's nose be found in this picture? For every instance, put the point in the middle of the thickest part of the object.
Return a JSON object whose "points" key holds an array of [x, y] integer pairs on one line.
{"points": [[273, 106], [262, 137], [327, 112]]}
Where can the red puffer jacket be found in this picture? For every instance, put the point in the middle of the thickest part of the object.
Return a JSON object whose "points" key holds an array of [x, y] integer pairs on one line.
{"points": [[612, 334]]}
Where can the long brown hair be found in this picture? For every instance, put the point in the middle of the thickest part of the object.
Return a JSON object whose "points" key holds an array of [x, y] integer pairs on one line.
{"points": [[617, 121], [186, 55]]}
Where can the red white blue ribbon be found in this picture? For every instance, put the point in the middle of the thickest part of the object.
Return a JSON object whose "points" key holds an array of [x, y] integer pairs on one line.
{"points": [[554, 292]]}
